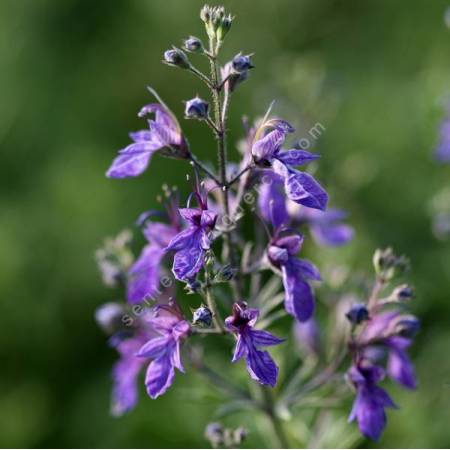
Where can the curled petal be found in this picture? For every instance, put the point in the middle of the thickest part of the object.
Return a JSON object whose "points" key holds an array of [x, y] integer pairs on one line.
{"points": [[240, 350], [175, 358], [292, 243], [165, 135], [265, 147], [192, 215]]}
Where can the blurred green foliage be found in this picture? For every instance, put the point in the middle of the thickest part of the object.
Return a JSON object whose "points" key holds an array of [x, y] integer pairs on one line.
{"points": [[73, 75]]}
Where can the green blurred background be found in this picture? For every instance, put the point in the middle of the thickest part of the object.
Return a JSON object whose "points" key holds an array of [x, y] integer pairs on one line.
{"points": [[73, 75]]}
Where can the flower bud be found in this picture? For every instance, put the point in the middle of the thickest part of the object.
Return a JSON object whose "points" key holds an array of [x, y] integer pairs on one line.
{"points": [[403, 293], [177, 58], [242, 63], [239, 435], [196, 108], [109, 317], [205, 13], [387, 265], [193, 45], [226, 273], [233, 78], [357, 314], [202, 316], [224, 27], [193, 287], [217, 24], [407, 326], [115, 258], [214, 433]]}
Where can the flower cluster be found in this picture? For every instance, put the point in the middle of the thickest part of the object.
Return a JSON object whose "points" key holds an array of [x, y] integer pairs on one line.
{"points": [[382, 334], [200, 244]]}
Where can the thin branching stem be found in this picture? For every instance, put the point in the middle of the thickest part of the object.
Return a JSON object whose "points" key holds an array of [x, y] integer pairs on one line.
{"points": [[203, 168], [202, 76]]}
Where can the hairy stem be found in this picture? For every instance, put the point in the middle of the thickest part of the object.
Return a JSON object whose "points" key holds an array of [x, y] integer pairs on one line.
{"points": [[211, 302], [203, 168], [220, 116]]}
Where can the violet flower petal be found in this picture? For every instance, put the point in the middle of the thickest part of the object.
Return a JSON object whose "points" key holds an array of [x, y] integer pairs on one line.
{"points": [[296, 157]]}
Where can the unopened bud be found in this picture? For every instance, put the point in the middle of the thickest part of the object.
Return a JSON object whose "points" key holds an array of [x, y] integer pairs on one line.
{"points": [[407, 326], [224, 27], [242, 63], [109, 317], [239, 435], [193, 287], [177, 58], [196, 109], [226, 273], [193, 45], [202, 316], [357, 314], [403, 293], [205, 13], [214, 433], [387, 265]]}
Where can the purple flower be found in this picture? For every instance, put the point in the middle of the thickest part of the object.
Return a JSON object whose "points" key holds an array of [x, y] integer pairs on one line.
{"points": [[145, 274], [443, 148], [125, 374], [299, 186], [164, 132], [384, 338], [296, 272], [196, 108], [389, 333], [260, 364], [164, 349], [371, 400], [191, 244], [326, 227]]}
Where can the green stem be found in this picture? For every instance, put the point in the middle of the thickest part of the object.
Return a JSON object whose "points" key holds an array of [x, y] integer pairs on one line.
{"points": [[273, 419], [220, 116], [211, 302]]}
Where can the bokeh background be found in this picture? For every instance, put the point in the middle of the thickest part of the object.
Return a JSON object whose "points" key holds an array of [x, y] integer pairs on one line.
{"points": [[73, 75]]}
